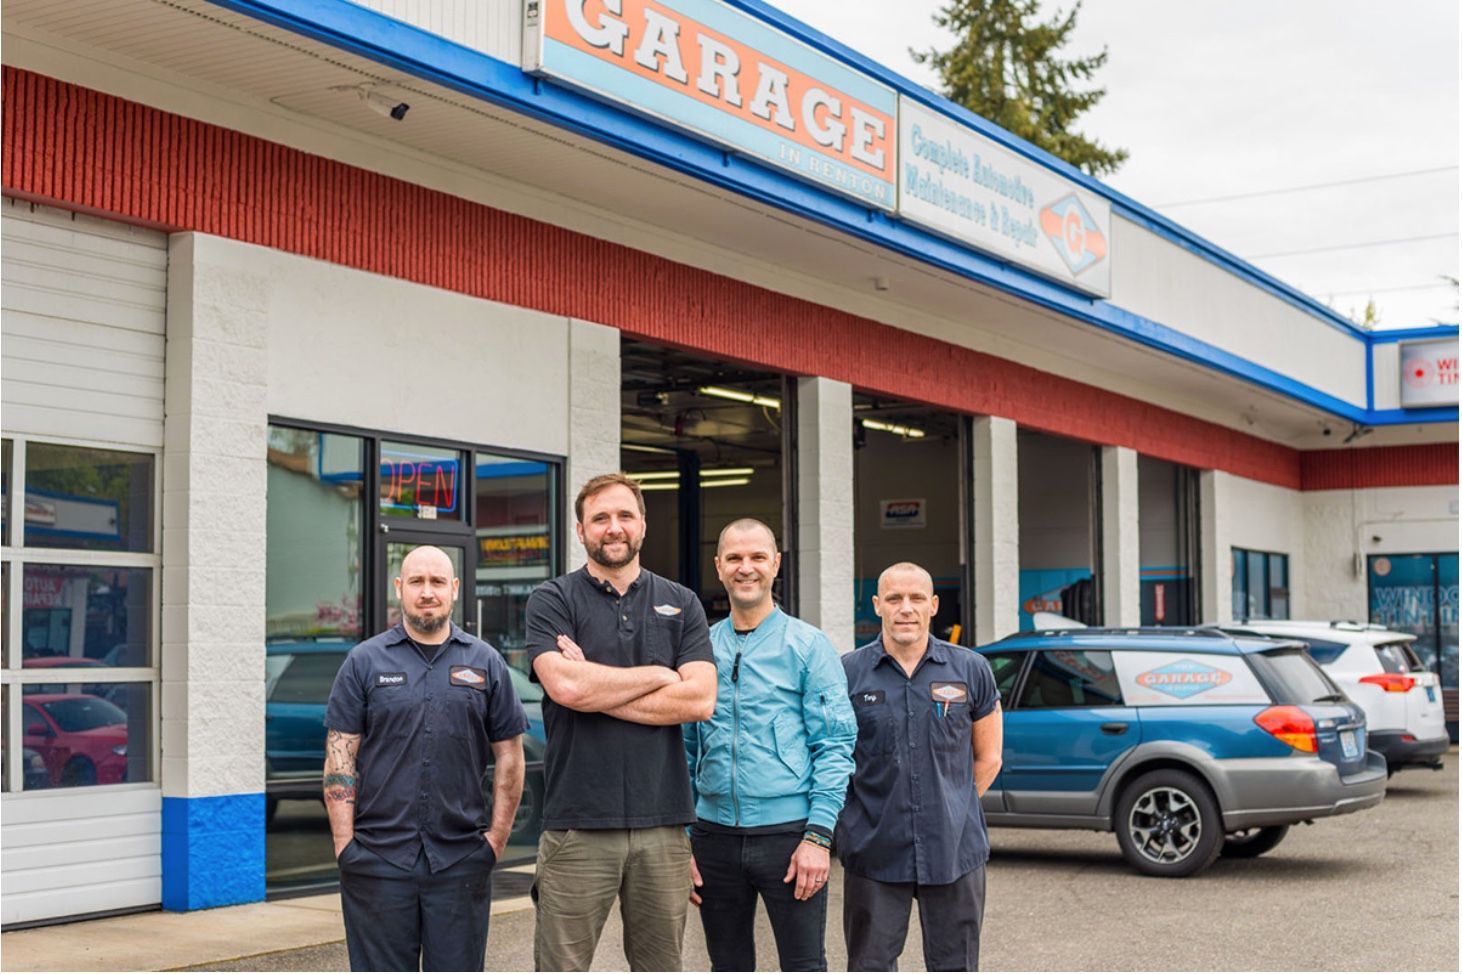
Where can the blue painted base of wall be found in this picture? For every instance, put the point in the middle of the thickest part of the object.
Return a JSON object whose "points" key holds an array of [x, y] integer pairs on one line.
{"points": [[212, 851]]}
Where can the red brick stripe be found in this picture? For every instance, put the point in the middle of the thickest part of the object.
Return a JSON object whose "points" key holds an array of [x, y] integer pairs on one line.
{"points": [[1380, 466], [86, 150]]}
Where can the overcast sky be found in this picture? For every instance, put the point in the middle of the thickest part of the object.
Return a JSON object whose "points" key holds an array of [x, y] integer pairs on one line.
{"points": [[1219, 99]]}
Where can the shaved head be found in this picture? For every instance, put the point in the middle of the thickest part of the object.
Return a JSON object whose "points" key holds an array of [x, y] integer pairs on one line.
{"points": [[905, 568], [427, 558], [745, 524]]}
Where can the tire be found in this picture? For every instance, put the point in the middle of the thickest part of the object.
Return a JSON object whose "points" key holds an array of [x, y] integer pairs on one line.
{"points": [[1168, 824], [1252, 843], [78, 773]]}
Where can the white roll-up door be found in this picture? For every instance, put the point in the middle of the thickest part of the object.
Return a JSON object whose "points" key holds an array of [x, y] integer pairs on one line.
{"points": [[82, 337]]}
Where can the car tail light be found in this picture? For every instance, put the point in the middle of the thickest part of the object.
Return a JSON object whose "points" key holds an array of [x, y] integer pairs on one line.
{"points": [[1291, 725], [1391, 682]]}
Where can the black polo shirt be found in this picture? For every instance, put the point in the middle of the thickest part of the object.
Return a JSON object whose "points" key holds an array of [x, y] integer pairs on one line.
{"points": [[600, 772], [426, 731], [912, 814]]}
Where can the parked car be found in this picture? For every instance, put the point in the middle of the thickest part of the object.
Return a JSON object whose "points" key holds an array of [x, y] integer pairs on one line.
{"points": [[1188, 744], [1378, 669], [298, 677], [81, 738]]}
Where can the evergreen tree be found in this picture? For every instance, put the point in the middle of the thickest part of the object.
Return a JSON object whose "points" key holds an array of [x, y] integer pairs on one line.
{"points": [[1004, 67]]}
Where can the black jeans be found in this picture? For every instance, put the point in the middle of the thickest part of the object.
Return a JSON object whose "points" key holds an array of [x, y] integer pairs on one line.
{"points": [[876, 921], [400, 920], [736, 869]]}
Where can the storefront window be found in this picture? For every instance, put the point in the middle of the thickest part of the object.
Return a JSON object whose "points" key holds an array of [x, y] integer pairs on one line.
{"points": [[516, 545], [1418, 594], [5, 451], [333, 555], [90, 499], [1260, 585]]}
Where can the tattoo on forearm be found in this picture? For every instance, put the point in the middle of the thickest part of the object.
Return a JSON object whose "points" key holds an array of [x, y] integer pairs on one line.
{"points": [[340, 788], [340, 779]]}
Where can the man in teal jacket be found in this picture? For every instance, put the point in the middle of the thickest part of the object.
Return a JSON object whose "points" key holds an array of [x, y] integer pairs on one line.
{"points": [[770, 768]]}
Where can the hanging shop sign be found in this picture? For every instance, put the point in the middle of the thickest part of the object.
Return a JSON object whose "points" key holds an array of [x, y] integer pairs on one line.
{"points": [[964, 186], [1429, 373], [704, 66]]}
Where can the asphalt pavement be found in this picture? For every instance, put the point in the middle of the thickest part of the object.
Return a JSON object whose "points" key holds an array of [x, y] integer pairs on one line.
{"points": [[1376, 890]]}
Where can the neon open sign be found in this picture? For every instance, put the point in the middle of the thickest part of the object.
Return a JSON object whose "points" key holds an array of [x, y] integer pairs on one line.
{"points": [[419, 484]]}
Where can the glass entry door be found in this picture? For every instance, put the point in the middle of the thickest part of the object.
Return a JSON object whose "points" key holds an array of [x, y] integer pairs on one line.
{"points": [[397, 548]]}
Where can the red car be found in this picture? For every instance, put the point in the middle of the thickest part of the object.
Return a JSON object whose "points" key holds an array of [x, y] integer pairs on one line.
{"points": [[81, 738]]}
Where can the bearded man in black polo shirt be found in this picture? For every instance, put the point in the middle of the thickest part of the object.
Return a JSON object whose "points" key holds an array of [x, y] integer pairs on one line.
{"points": [[625, 657]]}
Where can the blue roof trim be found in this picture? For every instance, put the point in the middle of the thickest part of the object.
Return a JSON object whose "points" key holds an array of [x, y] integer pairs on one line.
{"points": [[1412, 334], [410, 49]]}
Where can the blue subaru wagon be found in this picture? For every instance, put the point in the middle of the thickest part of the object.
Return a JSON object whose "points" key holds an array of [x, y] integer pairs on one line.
{"points": [[1187, 743]]}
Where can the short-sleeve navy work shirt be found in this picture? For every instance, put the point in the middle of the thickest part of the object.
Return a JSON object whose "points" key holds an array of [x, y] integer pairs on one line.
{"points": [[912, 814], [426, 733]]}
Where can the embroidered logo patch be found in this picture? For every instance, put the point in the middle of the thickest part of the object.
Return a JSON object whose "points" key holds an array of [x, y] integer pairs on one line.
{"points": [[1184, 679], [949, 692], [390, 679], [469, 676], [668, 610]]}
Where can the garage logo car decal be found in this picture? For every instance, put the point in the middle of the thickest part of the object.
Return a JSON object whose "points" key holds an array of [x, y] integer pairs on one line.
{"points": [[1184, 679], [1073, 232]]}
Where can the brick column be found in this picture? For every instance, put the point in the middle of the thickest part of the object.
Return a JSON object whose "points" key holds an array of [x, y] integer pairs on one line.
{"points": [[997, 529], [825, 508], [213, 558]]}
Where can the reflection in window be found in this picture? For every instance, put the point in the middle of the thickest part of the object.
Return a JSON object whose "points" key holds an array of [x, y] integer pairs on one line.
{"points": [[313, 582], [80, 734], [76, 616], [1005, 667], [516, 545], [1071, 678], [5, 450], [79, 497]]}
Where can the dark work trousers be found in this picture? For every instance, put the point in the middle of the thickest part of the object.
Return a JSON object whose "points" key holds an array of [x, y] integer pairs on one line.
{"points": [[407, 920], [735, 869], [876, 921]]}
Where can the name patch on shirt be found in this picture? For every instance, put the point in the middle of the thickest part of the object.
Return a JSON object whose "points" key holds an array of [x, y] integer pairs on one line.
{"points": [[469, 676], [949, 692], [390, 679], [867, 698]]}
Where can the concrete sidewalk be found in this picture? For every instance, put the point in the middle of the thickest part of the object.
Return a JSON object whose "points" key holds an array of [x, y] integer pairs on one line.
{"points": [[167, 941]]}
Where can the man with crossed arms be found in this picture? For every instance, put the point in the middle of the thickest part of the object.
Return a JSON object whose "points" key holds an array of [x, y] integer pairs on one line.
{"points": [[625, 659]]}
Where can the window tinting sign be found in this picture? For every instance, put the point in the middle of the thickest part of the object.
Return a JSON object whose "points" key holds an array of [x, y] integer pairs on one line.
{"points": [[1429, 373], [417, 484]]}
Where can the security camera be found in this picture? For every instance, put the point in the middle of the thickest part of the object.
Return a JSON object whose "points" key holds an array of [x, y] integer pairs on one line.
{"points": [[382, 105]]}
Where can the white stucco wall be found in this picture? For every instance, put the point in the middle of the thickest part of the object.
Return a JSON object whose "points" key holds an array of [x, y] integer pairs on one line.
{"points": [[1175, 287], [1262, 517], [1344, 527]]}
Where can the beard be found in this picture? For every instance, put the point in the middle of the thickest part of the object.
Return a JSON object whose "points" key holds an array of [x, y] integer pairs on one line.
{"points": [[430, 625], [597, 554]]}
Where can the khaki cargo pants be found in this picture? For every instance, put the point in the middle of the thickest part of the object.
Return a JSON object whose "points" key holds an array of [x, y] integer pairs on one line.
{"points": [[581, 871]]}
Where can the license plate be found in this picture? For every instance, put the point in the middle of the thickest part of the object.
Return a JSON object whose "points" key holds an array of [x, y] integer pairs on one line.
{"points": [[1431, 695], [1349, 745]]}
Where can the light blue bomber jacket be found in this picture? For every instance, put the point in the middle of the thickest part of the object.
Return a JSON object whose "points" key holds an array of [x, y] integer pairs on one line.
{"points": [[779, 747]]}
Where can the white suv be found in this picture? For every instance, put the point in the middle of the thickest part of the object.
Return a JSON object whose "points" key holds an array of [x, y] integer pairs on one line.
{"points": [[1378, 670]]}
